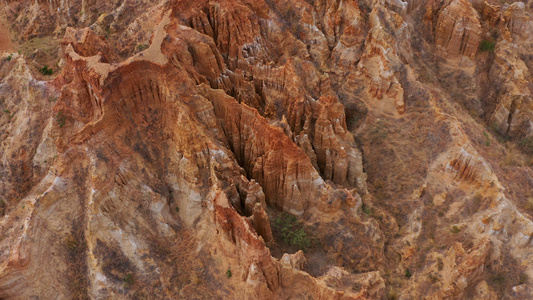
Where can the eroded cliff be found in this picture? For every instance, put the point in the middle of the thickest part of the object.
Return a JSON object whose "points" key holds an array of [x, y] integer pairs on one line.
{"points": [[189, 149]]}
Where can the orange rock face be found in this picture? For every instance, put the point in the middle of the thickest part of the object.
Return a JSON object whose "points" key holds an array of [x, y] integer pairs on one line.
{"points": [[458, 29]]}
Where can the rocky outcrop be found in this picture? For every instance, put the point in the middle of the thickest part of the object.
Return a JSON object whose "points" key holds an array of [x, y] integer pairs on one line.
{"points": [[276, 92], [25, 157], [518, 20], [458, 29], [464, 267], [336, 155], [283, 170], [380, 63], [510, 93], [126, 25]]}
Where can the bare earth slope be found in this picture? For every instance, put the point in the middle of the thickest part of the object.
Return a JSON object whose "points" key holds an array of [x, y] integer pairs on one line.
{"points": [[189, 149]]}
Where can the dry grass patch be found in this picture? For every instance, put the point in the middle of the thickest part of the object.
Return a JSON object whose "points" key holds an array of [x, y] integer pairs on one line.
{"points": [[43, 51]]}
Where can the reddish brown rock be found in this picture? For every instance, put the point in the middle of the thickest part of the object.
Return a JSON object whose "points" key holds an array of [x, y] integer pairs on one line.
{"points": [[464, 267], [458, 30], [261, 223]]}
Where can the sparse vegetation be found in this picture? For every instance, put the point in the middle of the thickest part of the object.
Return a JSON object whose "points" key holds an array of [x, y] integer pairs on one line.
{"points": [[455, 229], [52, 99], [498, 280], [527, 145], [512, 158], [7, 111], [499, 133], [524, 278], [378, 133], [433, 278], [380, 190], [408, 273], [392, 294], [291, 231], [487, 46], [76, 247], [2, 208], [355, 115], [61, 119], [228, 273], [128, 280], [45, 50], [194, 278], [367, 209], [529, 204], [487, 139], [46, 71], [477, 198], [71, 243], [142, 47], [351, 121], [9, 57]]}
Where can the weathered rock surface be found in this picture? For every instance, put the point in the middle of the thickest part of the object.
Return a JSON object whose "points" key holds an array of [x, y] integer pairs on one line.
{"points": [[159, 158], [458, 29]]}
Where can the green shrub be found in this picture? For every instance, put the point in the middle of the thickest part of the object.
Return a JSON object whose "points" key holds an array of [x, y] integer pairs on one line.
{"points": [[291, 231], [142, 47], [228, 273], [455, 229], [524, 278], [61, 119], [487, 46], [46, 71], [367, 210], [433, 278], [527, 145], [177, 209], [71, 243], [498, 280], [487, 138], [408, 273], [9, 57], [128, 280]]}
